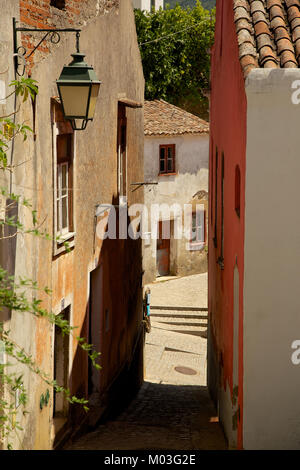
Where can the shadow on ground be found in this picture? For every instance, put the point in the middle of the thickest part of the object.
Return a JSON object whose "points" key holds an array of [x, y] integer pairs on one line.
{"points": [[161, 417]]}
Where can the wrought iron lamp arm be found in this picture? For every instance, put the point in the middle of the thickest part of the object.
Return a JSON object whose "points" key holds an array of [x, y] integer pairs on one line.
{"points": [[54, 34]]}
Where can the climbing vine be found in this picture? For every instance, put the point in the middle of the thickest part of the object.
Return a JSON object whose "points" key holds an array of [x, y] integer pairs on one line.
{"points": [[22, 295]]}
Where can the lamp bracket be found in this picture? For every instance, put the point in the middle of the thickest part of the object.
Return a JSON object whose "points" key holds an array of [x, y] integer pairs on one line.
{"points": [[142, 183], [53, 34]]}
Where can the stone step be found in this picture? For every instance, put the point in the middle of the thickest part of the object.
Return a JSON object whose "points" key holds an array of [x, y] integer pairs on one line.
{"points": [[178, 320], [173, 325], [177, 314], [178, 308]]}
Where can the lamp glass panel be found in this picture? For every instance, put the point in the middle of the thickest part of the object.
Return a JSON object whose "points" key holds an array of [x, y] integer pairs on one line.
{"points": [[75, 100], [93, 100], [64, 179], [64, 205]]}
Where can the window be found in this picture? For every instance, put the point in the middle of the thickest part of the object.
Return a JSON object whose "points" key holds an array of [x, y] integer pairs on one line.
{"points": [[62, 198], [238, 190], [64, 185], [166, 159], [198, 228], [60, 4], [63, 144]]}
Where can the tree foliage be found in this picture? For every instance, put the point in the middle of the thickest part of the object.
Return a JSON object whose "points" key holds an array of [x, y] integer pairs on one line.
{"points": [[175, 45], [209, 4]]}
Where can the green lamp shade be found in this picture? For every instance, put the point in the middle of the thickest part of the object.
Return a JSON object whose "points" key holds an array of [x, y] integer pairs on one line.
{"points": [[78, 88]]}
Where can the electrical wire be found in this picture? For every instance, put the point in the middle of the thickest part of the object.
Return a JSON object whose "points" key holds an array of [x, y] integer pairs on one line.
{"points": [[177, 32]]}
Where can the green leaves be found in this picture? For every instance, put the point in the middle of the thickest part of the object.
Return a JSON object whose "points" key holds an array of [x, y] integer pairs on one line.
{"points": [[44, 399], [9, 130], [17, 295], [174, 45], [25, 87], [24, 296]]}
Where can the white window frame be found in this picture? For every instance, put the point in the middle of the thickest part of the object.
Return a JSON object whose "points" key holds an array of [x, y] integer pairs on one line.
{"points": [[195, 242], [60, 231], [59, 239], [122, 168]]}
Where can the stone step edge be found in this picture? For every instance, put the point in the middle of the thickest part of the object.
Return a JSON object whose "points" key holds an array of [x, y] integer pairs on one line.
{"points": [[179, 309]]}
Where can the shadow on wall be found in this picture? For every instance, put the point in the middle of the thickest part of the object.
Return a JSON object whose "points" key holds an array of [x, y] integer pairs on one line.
{"points": [[179, 172], [8, 246], [120, 330]]}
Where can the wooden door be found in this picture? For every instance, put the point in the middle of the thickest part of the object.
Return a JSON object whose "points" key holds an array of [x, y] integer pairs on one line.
{"points": [[95, 325], [61, 367], [163, 250]]}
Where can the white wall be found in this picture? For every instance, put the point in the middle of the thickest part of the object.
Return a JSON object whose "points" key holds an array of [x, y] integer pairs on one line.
{"points": [[272, 262], [146, 4], [191, 165]]}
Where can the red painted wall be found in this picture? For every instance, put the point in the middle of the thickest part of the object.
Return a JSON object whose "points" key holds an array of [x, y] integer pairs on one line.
{"points": [[228, 135]]}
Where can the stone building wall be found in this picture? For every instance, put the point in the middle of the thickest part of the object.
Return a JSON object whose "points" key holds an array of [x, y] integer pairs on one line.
{"points": [[108, 39], [191, 163]]}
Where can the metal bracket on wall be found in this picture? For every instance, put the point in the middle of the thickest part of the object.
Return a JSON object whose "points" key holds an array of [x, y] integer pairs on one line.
{"points": [[54, 34], [140, 184]]}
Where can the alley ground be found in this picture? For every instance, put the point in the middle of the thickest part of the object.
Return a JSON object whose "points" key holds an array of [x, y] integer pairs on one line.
{"points": [[173, 410]]}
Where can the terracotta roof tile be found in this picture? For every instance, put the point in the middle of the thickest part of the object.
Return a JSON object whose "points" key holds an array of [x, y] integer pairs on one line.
{"points": [[162, 118], [268, 33], [297, 49]]}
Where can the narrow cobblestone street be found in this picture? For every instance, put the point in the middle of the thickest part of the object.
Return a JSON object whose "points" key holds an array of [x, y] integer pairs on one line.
{"points": [[173, 410]]}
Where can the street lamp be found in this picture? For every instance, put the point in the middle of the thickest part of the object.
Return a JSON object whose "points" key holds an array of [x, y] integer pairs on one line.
{"points": [[78, 88], [78, 85]]}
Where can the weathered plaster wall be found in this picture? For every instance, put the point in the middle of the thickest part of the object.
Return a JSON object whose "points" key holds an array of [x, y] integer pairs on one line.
{"points": [[109, 40], [191, 165], [9, 9], [11, 254], [272, 253], [228, 138], [42, 14]]}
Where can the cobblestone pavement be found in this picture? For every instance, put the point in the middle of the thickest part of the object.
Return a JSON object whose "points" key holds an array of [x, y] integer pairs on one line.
{"points": [[173, 410]]}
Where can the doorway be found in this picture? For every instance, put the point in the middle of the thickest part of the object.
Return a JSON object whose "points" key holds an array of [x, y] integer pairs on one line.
{"points": [[61, 367], [95, 325], [163, 248]]}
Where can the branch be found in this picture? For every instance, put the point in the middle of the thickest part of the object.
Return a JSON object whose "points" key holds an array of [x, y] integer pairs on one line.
{"points": [[9, 236], [11, 114], [12, 93], [12, 167]]}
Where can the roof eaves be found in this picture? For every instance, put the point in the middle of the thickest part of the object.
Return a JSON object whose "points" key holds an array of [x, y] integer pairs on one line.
{"points": [[168, 134]]}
